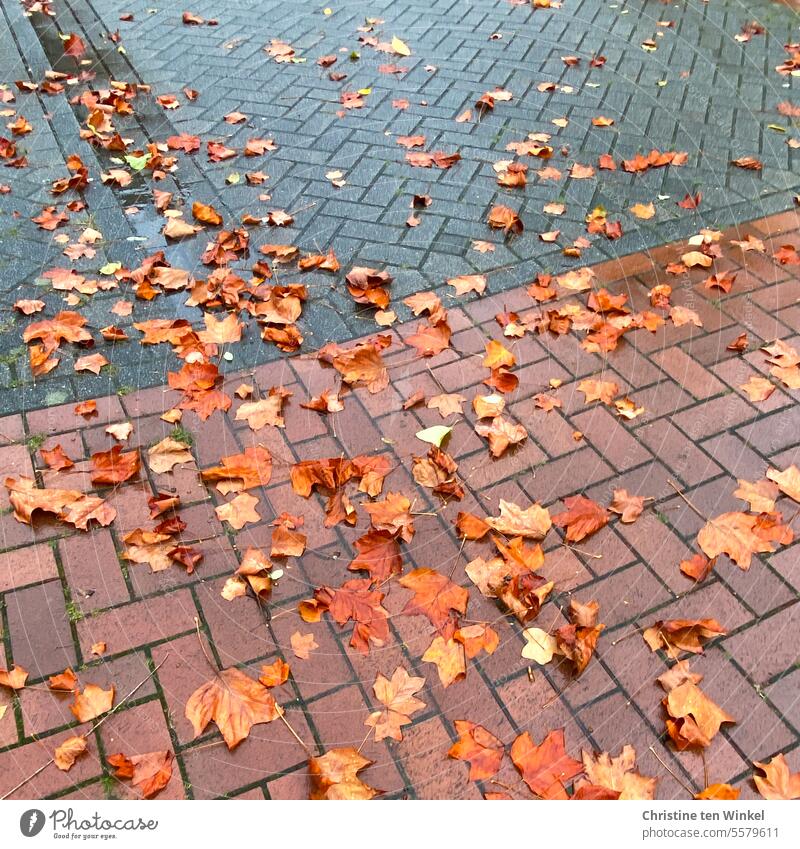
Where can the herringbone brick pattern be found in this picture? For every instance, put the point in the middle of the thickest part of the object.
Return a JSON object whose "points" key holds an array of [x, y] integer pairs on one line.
{"points": [[63, 592], [700, 90]]}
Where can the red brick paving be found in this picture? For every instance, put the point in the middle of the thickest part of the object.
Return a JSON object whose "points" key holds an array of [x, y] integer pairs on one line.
{"points": [[62, 591]]}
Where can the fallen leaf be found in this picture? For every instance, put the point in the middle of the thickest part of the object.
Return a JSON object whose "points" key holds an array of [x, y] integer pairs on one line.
{"points": [[68, 752], [397, 697], [70, 506], [617, 774], [149, 773], [235, 702], [435, 595], [92, 702], [513, 521], [274, 674], [450, 659], [114, 466], [545, 767], [777, 782], [629, 507], [694, 719], [56, 458], [788, 481], [733, 534], [239, 511], [164, 455], [303, 645], [334, 775], [677, 635], [479, 748], [13, 678], [539, 645], [582, 518]]}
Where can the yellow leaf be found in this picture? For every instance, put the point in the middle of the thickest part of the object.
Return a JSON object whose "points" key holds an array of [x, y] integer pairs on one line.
{"points": [[540, 645], [400, 47]]}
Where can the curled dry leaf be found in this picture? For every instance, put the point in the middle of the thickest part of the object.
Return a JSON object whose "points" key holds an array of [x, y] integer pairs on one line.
{"points": [[677, 635], [788, 481], [68, 752], [65, 681], [471, 527], [149, 773], [777, 782], [162, 456], [577, 640], [392, 515], [274, 674], [241, 471], [56, 458], [693, 719], [70, 506], [618, 774], [151, 547], [504, 218], [698, 566], [501, 434], [286, 540], [334, 775]]}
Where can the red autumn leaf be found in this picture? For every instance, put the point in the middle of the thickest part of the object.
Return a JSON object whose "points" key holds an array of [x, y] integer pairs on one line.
{"points": [[149, 773], [582, 518]]}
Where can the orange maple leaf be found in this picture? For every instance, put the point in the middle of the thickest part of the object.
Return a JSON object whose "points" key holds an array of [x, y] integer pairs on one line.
{"points": [[241, 471], [357, 601], [334, 775], [479, 747], [435, 595], [235, 702], [92, 702], [777, 782], [113, 466], [149, 773]]}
